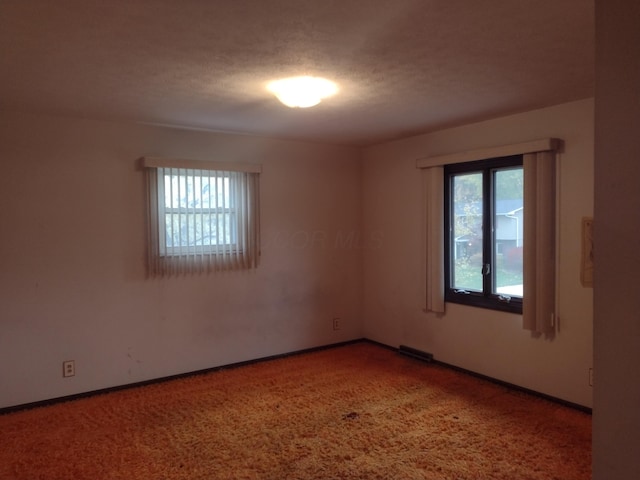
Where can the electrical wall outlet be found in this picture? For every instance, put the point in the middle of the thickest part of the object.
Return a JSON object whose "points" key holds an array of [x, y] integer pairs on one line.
{"points": [[591, 377], [336, 324], [68, 368]]}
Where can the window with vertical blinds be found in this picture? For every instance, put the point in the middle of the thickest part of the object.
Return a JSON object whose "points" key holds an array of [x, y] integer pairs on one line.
{"points": [[203, 216]]}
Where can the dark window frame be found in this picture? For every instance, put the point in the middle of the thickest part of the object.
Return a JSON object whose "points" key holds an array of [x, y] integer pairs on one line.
{"points": [[484, 299]]}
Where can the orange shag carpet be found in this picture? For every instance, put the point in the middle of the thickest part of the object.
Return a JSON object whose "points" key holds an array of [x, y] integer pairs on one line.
{"points": [[353, 412]]}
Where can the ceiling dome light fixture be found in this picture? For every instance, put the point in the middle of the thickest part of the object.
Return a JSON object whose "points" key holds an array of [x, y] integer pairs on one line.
{"points": [[302, 92]]}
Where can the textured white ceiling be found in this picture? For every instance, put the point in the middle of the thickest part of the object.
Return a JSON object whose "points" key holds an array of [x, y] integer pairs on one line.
{"points": [[403, 66]]}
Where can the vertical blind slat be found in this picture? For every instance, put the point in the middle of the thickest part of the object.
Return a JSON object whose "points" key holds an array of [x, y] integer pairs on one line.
{"points": [[209, 220]]}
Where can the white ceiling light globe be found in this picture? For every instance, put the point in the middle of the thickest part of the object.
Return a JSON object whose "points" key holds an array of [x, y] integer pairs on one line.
{"points": [[302, 92]]}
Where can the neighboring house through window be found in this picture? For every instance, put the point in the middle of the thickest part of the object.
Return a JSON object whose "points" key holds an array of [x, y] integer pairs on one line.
{"points": [[484, 233]]}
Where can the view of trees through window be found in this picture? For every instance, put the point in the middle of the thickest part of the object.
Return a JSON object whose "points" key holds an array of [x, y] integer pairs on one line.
{"points": [[469, 262], [198, 210]]}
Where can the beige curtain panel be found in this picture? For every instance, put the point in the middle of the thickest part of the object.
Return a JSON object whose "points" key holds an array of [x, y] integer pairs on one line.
{"points": [[433, 179], [539, 268]]}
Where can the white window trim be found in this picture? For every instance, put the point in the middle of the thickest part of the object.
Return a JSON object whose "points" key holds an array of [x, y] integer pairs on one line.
{"points": [[165, 250]]}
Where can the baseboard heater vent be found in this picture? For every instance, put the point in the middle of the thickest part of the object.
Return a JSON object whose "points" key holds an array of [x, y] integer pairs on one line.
{"points": [[414, 353]]}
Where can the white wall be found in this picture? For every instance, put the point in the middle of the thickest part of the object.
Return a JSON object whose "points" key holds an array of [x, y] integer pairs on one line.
{"points": [[484, 341], [72, 276], [72, 250], [616, 409]]}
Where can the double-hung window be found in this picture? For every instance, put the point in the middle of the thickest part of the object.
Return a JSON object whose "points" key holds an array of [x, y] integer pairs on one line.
{"points": [[196, 210], [484, 241], [202, 216]]}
